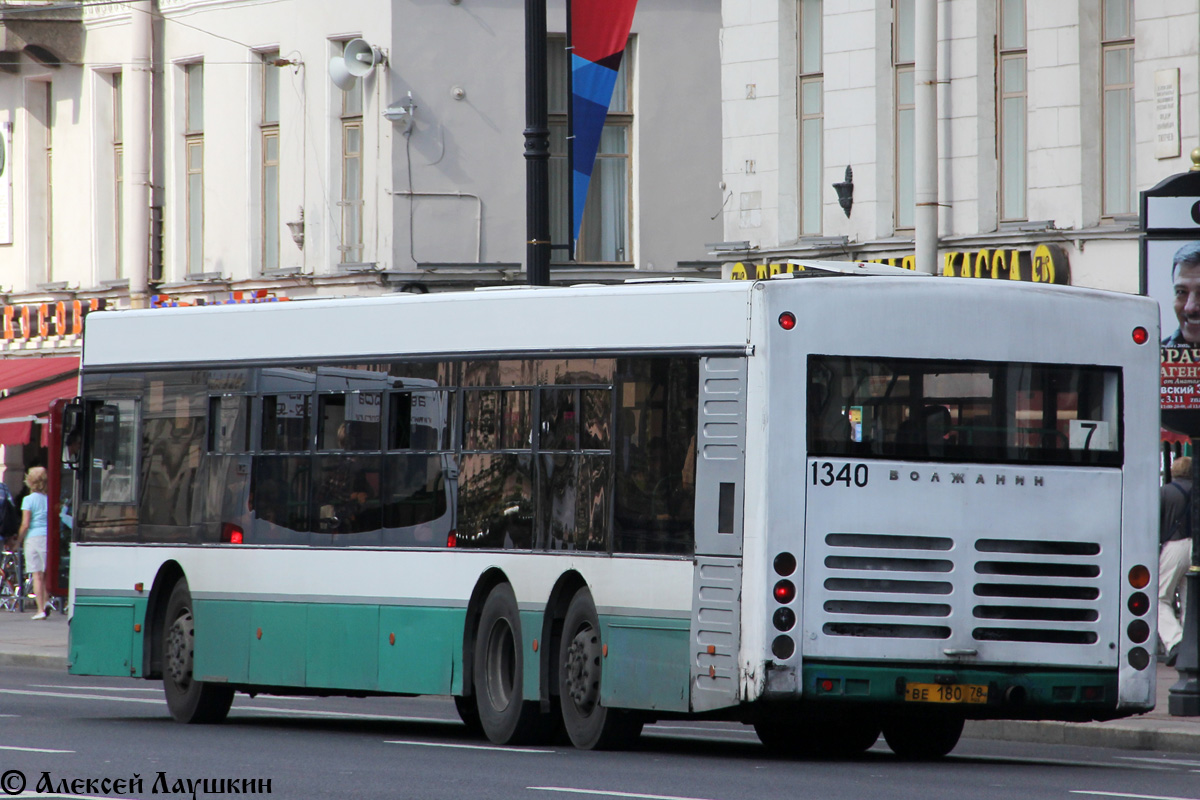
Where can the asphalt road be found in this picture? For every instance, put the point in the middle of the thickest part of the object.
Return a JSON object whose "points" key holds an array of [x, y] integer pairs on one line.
{"points": [[77, 729]]}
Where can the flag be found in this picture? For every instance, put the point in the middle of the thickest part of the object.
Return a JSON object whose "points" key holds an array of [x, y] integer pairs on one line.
{"points": [[598, 31]]}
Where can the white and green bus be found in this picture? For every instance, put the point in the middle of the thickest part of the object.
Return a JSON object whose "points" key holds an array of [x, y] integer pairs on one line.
{"points": [[826, 504]]}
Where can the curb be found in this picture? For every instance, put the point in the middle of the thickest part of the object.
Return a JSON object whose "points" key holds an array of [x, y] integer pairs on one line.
{"points": [[33, 660], [1159, 735]]}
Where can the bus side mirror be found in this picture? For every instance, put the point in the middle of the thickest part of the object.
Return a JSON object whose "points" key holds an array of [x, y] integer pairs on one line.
{"points": [[72, 442]]}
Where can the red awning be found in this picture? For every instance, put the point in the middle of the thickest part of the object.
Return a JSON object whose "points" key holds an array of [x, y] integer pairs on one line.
{"points": [[29, 386], [1173, 437]]}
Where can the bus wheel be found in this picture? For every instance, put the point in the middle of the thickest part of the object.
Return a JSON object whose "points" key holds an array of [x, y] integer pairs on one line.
{"points": [[499, 674], [845, 738], [189, 700], [589, 724], [468, 712], [920, 738]]}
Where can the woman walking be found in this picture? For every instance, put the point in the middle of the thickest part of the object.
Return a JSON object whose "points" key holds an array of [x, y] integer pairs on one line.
{"points": [[32, 535]]}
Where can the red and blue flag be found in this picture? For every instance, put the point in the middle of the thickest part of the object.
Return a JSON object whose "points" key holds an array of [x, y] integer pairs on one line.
{"points": [[598, 31]]}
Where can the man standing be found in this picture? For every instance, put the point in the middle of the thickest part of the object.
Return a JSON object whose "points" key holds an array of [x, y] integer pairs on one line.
{"points": [[1174, 534], [1185, 283]]}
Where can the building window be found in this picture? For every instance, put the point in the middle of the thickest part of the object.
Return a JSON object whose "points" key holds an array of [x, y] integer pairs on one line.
{"points": [[903, 63], [194, 163], [1120, 195], [604, 235], [351, 248], [811, 85], [1012, 94], [269, 178], [118, 162]]}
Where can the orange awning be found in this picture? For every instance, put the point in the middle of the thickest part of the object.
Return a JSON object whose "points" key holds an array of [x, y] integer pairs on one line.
{"points": [[29, 385]]}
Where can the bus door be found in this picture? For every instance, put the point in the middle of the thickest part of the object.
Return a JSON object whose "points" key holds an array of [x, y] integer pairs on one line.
{"points": [[720, 452]]}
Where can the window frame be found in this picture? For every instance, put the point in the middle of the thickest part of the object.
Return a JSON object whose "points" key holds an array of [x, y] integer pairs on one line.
{"points": [[618, 117], [903, 68], [1112, 41], [810, 71], [1008, 52], [193, 166]]}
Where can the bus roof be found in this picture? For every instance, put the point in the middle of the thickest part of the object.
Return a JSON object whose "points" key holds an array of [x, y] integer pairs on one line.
{"points": [[710, 317]]}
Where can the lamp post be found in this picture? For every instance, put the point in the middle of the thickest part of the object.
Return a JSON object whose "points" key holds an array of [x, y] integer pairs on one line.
{"points": [[537, 147]]}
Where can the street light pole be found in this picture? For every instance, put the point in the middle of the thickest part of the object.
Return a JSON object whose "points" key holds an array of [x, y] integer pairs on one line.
{"points": [[537, 147]]}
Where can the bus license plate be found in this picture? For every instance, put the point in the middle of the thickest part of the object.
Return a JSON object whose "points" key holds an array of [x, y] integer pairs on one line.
{"points": [[951, 693]]}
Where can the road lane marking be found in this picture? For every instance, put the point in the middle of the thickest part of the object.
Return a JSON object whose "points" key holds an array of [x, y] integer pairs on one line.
{"points": [[605, 793], [73, 688], [1175, 761], [302, 712], [468, 746], [32, 749], [1131, 796]]}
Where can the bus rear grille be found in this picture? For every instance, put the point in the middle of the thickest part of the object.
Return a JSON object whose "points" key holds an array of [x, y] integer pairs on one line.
{"points": [[921, 587], [1051, 577]]}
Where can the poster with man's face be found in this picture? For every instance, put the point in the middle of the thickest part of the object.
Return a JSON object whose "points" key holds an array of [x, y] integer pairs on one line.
{"points": [[1173, 279]]}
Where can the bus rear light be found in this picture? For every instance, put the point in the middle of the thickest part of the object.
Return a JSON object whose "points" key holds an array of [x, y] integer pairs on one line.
{"points": [[1139, 603], [1140, 335], [1092, 693], [1138, 631], [1139, 577], [783, 647], [785, 564], [452, 539], [1139, 658], [784, 619], [787, 320], [139, 587], [785, 592], [231, 534], [825, 685]]}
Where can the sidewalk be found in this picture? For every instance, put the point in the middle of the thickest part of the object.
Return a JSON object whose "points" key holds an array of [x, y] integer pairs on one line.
{"points": [[24, 642]]}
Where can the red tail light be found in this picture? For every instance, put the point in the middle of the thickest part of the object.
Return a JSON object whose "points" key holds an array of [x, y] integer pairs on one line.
{"points": [[231, 534], [452, 539]]}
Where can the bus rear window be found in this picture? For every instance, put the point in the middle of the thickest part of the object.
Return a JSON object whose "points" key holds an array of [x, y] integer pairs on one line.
{"points": [[930, 410]]}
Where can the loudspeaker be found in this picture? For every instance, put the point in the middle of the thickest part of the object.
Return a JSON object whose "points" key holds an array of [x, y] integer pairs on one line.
{"points": [[340, 75], [359, 58]]}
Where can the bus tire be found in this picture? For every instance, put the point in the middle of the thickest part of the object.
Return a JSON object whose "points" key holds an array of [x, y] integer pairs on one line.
{"points": [[921, 738], [468, 712], [189, 700], [589, 725], [499, 679]]}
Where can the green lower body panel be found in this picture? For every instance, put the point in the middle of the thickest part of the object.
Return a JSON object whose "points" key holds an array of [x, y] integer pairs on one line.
{"points": [[333, 647], [647, 664], [1010, 693], [106, 636]]}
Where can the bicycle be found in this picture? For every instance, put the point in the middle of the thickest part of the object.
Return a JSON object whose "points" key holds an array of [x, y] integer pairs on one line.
{"points": [[12, 587]]}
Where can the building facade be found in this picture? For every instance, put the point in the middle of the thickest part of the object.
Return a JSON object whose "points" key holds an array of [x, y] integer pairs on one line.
{"points": [[285, 149], [1051, 117]]}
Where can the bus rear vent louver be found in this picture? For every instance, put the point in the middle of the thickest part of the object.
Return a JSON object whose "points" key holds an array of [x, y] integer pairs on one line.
{"points": [[903, 587]]}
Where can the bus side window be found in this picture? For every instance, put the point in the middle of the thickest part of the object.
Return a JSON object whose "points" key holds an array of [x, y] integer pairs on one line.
{"points": [[113, 451]]}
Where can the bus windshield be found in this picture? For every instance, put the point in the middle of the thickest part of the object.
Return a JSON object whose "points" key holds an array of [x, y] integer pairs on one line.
{"points": [[963, 411]]}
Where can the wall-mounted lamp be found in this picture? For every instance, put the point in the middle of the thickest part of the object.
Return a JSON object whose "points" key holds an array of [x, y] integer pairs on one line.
{"points": [[297, 229], [845, 191], [402, 114]]}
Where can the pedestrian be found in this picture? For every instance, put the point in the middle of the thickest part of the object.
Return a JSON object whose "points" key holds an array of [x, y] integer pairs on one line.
{"points": [[34, 511], [1175, 556]]}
